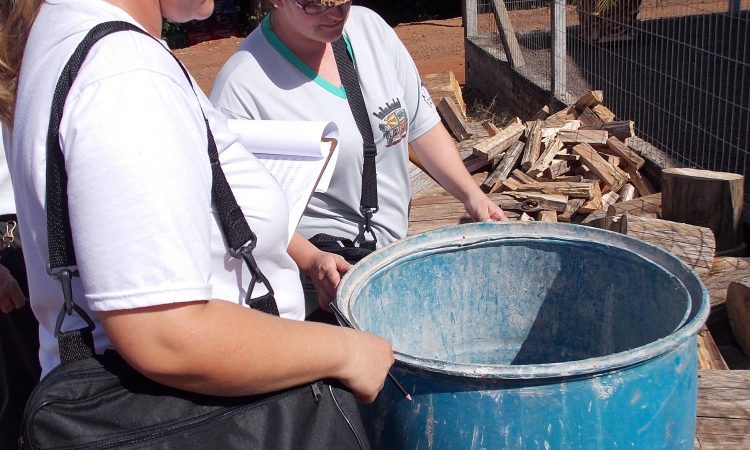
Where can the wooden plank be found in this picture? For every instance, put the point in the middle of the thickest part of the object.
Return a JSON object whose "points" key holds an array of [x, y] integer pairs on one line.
{"points": [[724, 270], [709, 356], [604, 113], [525, 179], [619, 148], [574, 204], [537, 201], [620, 129], [626, 192], [595, 203], [648, 206], [507, 35], [545, 158], [453, 118], [589, 120], [640, 182], [557, 170], [723, 413], [694, 245]]}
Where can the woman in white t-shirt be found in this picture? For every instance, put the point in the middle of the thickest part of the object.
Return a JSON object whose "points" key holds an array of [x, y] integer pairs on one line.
{"points": [[154, 269]]}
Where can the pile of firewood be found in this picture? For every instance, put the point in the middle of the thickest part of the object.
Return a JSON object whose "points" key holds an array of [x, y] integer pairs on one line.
{"points": [[580, 165]]}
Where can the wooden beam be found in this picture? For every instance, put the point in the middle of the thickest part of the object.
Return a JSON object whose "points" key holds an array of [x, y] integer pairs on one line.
{"points": [[604, 113], [583, 136], [533, 145], [444, 84], [648, 206], [503, 168], [601, 168], [453, 118], [620, 129], [589, 100], [507, 35], [709, 356], [578, 190], [617, 147], [494, 145]]}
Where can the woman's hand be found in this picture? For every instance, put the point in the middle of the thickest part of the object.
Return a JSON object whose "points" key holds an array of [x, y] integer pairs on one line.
{"points": [[11, 296], [481, 208], [370, 358], [325, 270]]}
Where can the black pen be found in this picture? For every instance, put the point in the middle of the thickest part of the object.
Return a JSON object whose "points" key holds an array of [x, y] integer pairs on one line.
{"points": [[346, 322]]}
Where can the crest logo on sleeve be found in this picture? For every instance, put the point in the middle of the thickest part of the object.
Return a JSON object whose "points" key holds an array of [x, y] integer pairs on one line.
{"points": [[426, 94], [394, 123]]}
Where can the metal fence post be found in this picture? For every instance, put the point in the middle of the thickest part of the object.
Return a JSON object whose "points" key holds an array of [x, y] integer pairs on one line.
{"points": [[470, 17], [559, 50]]}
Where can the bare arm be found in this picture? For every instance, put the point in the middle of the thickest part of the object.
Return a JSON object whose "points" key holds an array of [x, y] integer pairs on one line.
{"points": [[438, 154], [220, 348], [323, 268]]}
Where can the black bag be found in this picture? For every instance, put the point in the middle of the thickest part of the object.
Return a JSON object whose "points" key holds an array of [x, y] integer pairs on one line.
{"points": [[99, 401]]}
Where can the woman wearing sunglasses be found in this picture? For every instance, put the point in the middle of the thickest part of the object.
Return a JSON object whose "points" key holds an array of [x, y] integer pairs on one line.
{"points": [[286, 70]]}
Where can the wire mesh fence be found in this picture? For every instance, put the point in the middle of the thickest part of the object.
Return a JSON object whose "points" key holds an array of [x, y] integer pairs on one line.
{"points": [[680, 69]]}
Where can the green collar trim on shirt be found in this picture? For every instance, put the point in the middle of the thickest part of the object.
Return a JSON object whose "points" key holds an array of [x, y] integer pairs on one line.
{"points": [[294, 60]]}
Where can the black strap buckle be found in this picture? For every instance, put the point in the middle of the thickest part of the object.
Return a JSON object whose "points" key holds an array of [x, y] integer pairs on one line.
{"points": [[256, 277], [65, 277], [360, 240]]}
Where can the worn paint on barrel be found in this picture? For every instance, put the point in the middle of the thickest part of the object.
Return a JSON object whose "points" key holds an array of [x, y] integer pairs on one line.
{"points": [[531, 335]]}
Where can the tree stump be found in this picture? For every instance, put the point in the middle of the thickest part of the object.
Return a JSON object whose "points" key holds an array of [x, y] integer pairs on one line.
{"points": [[708, 199]]}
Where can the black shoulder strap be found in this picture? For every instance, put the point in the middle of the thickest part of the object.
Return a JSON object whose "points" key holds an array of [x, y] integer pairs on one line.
{"points": [[241, 240], [368, 204]]}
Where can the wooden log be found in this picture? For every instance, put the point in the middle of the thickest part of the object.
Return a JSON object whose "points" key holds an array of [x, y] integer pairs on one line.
{"points": [[725, 270], [522, 177], [589, 99], [507, 35], [709, 199], [533, 146], [444, 84], [558, 169], [583, 136], [626, 192], [738, 311], [491, 128], [453, 118], [474, 164], [595, 203], [545, 158], [511, 183], [537, 201], [613, 160], [609, 199], [503, 168], [709, 356], [604, 113], [648, 206], [574, 204], [618, 148], [567, 113], [466, 148], [606, 173], [494, 145], [620, 129], [546, 216], [692, 244], [542, 114], [551, 127], [589, 120], [642, 185], [582, 190]]}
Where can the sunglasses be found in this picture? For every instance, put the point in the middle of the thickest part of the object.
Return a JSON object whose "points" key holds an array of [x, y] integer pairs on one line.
{"points": [[312, 7]]}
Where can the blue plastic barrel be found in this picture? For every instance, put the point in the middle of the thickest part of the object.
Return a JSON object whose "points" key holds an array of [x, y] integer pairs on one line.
{"points": [[531, 335]]}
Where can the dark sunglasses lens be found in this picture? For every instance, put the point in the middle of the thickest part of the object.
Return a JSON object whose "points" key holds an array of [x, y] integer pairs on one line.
{"points": [[314, 8]]}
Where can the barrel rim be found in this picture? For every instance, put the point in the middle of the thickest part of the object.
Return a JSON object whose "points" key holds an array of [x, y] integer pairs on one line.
{"points": [[356, 278]]}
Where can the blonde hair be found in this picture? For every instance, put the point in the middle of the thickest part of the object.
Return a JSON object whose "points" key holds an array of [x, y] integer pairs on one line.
{"points": [[16, 17]]}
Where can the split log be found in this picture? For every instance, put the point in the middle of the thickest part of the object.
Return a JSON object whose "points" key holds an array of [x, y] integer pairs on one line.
{"points": [[526, 218], [491, 128], [582, 190], [558, 169], [444, 84], [533, 146], [618, 148], [589, 99], [648, 206], [494, 145], [474, 164], [589, 120], [545, 159], [609, 199], [640, 182], [503, 168], [738, 311], [542, 114], [574, 204], [694, 245], [583, 136], [537, 201], [604, 113], [546, 216], [522, 177], [550, 128], [709, 199], [466, 148], [453, 117], [512, 183], [620, 129], [595, 203], [606, 173], [626, 192], [568, 113]]}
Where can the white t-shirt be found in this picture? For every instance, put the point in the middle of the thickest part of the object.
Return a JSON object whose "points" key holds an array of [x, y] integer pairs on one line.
{"points": [[265, 80], [139, 180], [7, 202]]}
